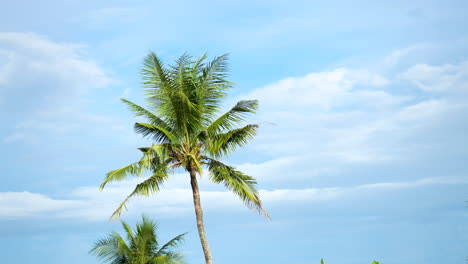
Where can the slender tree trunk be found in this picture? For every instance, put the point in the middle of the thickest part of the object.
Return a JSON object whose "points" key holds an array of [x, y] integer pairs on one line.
{"points": [[199, 214]]}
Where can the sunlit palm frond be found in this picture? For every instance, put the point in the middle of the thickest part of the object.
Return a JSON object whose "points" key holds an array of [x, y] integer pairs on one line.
{"points": [[171, 244], [225, 143], [145, 188], [159, 134], [238, 182], [141, 111], [128, 231], [212, 86], [215, 73], [134, 169], [152, 159], [112, 249], [171, 258], [232, 117], [160, 88], [146, 242]]}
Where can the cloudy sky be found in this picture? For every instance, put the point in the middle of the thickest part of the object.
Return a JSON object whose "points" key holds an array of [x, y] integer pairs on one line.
{"points": [[362, 154]]}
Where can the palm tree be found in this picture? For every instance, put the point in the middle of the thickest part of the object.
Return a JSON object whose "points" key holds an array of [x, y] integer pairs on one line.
{"points": [[183, 103], [141, 247]]}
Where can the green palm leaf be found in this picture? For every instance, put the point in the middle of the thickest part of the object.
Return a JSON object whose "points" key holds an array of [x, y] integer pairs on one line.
{"points": [[159, 134], [141, 111], [225, 143], [134, 169], [233, 117], [145, 188], [171, 244], [238, 182]]}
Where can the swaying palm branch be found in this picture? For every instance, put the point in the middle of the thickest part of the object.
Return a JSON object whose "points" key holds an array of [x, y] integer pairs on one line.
{"points": [[141, 246], [182, 118]]}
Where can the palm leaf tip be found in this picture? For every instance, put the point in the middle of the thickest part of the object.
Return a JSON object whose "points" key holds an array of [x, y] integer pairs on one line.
{"points": [[225, 143], [243, 185], [117, 213], [145, 188], [134, 169]]}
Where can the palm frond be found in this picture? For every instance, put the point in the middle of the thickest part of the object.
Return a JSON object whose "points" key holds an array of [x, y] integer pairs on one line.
{"points": [[233, 117], [215, 73], [134, 169], [152, 159], [238, 182], [212, 86], [128, 231], [160, 153], [145, 188], [199, 64], [112, 249], [104, 248], [146, 241], [225, 143], [122, 246], [159, 134], [171, 244], [171, 258], [169, 92], [141, 111]]}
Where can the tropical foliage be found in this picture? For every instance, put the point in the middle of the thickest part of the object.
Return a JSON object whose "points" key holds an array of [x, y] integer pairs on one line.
{"points": [[141, 246], [182, 118]]}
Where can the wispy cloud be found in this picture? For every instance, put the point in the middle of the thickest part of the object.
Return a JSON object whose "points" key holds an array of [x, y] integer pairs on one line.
{"points": [[34, 69], [46, 88], [27, 204], [439, 78], [349, 115], [89, 204]]}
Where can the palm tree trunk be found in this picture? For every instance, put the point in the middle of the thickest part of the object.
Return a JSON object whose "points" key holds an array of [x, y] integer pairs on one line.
{"points": [[199, 214]]}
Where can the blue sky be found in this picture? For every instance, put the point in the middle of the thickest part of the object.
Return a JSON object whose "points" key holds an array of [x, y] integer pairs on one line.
{"points": [[365, 159]]}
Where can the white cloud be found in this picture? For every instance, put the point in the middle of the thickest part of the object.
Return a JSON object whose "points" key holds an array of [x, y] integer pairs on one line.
{"points": [[425, 111], [325, 121], [282, 168], [412, 184], [348, 115], [408, 56], [439, 78], [323, 90], [89, 204], [24, 204], [40, 72], [46, 88]]}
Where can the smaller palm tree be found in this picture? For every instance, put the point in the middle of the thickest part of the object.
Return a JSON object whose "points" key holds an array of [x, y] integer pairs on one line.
{"points": [[141, 246]]}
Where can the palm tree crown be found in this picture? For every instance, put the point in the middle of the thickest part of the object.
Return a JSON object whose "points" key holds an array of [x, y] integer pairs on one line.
{"points": [[182, 117], [141, 247]]}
